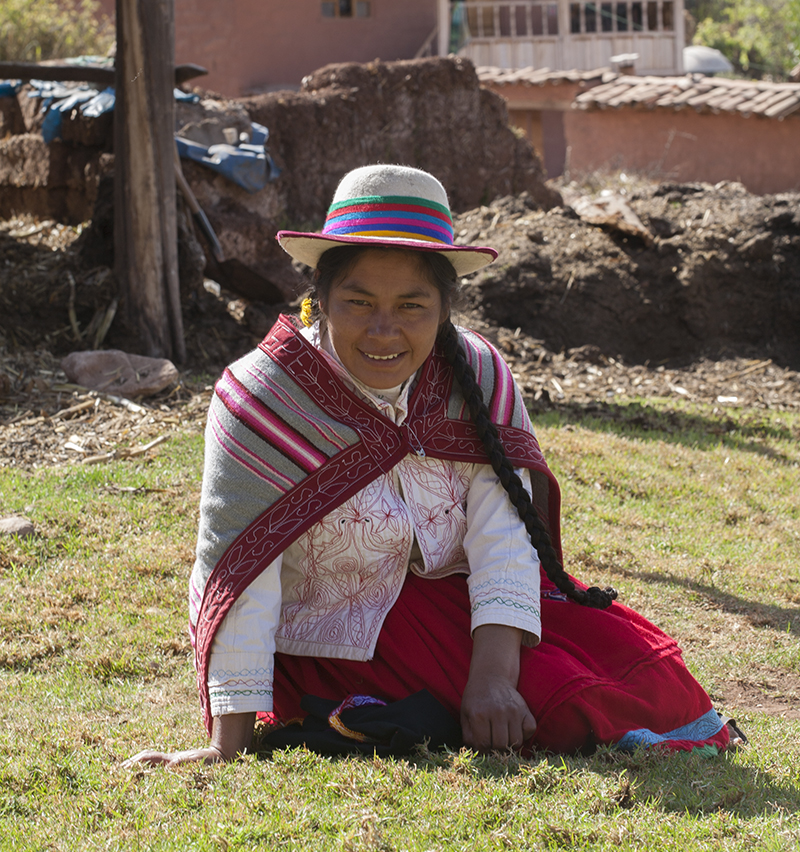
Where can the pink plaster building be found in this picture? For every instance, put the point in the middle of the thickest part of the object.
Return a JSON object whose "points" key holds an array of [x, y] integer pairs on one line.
{"points": [[687, 128], [538, 101], [253, 46], [259, 45], [690, 128]]}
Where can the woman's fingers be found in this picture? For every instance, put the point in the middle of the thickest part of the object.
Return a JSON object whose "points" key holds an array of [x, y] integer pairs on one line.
{"points": [[148, 758], [498, 732], [499, 719], [513, 731], [476, 733], [528, 726], [173, 758]]}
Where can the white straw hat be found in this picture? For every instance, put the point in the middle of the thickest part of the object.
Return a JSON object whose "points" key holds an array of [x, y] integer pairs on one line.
{"points": [[393, 206]]}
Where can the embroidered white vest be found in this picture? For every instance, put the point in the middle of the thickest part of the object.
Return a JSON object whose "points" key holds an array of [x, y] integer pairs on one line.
{"points": [[342, 576]]}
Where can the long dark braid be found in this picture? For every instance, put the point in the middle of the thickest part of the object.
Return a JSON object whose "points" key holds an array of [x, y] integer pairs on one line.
{"points": [[519, 497], [333, 264]]}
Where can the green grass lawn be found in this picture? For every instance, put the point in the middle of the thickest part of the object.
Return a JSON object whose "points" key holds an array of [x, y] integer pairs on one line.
{"points": [[690, 511]]}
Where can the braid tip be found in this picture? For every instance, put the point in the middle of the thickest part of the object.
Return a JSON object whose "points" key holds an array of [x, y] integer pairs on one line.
{"points": [[600, 598]]}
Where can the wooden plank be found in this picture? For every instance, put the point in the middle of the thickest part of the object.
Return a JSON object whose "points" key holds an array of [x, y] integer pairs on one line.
{"points": [[102, 74], [145, 226]]}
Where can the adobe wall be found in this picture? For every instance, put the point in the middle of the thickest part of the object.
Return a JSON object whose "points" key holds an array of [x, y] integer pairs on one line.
{"points": [[538, 111], [763, 154], [429, 113], [249, 45], [520, 96]]}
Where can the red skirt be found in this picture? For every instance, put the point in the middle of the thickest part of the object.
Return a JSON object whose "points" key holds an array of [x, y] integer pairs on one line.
{"points": [[597, 676]]}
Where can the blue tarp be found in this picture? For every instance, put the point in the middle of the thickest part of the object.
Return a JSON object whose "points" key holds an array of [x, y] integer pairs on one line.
{"points": [[51, 126], [100, 103], [9, 88], [248, 165], [60, 99]]}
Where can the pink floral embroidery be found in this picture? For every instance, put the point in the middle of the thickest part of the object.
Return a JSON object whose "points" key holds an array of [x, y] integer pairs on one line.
{"points": [[355, 558], [353, 568], [436, 495]]}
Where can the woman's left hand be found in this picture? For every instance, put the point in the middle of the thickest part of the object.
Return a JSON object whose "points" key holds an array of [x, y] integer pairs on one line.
{"points": [[493, 713]]}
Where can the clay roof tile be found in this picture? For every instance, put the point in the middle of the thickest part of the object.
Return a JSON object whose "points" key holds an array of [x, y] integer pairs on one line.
{"points": [[747, 97], [782, 108]]}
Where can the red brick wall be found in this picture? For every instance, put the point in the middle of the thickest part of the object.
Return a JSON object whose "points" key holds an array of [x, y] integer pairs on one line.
{"points": [[761, 153], [250, 44], [538, 112]]}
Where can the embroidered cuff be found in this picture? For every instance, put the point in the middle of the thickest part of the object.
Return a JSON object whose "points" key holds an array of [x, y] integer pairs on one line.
{"points": [[504, 600], [240, 691]]}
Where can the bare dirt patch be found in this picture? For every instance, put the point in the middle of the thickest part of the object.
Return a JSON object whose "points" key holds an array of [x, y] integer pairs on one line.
{"points": [[48, 422], [717, 275], [772, 692]]}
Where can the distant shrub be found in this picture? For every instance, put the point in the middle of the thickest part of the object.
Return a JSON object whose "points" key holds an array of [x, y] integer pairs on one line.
{"points": [[760, 37], [33, 30]]}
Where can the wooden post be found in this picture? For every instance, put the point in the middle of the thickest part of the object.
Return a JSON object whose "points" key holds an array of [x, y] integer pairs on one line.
{"points": [[145, 223], [680, 35], [443, 20]]}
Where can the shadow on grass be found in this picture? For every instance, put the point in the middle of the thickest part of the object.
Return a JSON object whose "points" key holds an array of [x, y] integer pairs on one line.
{"points": [[691, 783], [737, 430], [779, 618], [682, 782]]}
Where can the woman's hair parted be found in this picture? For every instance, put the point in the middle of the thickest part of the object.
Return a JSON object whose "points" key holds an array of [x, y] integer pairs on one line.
{"points": [[337, 262]]}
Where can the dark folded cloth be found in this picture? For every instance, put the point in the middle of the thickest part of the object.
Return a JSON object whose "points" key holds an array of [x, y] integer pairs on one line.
{"points": [[369, 726]]}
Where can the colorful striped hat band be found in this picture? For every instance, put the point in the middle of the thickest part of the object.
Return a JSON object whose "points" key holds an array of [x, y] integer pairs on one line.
{"points": [[394, 216], [388, 206]]}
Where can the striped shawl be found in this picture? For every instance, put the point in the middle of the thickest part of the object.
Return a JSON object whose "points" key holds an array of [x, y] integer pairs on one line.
{"points": [[287, 442]]}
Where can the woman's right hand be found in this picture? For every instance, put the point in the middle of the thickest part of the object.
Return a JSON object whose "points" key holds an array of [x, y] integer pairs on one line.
{"points": [[231, 736], [171, 759]]}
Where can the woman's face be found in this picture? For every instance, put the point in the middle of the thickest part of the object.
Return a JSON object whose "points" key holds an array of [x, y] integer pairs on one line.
{"points": [[383, 316]]}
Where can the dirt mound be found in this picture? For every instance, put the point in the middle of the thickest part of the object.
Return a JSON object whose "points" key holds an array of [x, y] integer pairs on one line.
{"points": [[721, 275], [707, 310], [430, 113]]}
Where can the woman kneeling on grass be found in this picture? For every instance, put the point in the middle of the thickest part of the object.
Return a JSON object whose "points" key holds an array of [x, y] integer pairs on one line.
{"points": [[377, 517]]}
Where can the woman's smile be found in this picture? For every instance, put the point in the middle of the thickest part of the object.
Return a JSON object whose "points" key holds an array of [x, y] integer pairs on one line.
{"points": [[383, 317]]}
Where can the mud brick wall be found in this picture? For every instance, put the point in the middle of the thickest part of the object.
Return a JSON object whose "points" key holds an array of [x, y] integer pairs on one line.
{"points": [[429, 113], [56, 181]]}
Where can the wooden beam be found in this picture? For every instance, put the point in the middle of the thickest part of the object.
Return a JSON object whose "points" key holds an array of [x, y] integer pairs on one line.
{"points": [[102, 74], [145, 223], [443, 20]]}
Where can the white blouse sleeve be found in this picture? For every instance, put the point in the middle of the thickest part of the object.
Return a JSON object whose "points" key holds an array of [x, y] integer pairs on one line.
{"points": [[504, 567], [242, 655]]}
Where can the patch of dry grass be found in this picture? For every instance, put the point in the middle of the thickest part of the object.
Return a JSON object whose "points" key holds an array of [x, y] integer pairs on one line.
{"points": [[699, 528]]}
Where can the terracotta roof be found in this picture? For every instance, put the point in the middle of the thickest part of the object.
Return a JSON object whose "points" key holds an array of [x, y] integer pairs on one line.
{"points": [[539, 76], [704, 94]]}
